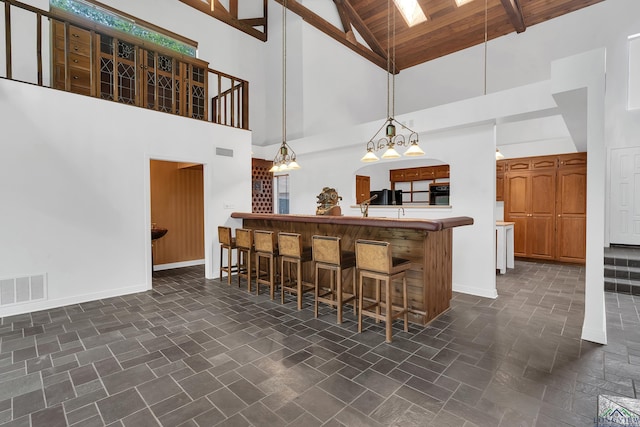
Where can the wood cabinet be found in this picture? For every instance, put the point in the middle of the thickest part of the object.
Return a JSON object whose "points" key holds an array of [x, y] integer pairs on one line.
{"points": [[115, 66], [414, 182], [500, 168], [72, 58], [546, 199], [363, 188]]}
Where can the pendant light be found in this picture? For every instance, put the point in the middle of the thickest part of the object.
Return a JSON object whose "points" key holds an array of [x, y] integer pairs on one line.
{"points": [[390, 140], [285, 159]]}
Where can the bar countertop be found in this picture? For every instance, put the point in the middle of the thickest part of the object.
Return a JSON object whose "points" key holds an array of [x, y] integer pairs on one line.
{"points": [[409, 223]]}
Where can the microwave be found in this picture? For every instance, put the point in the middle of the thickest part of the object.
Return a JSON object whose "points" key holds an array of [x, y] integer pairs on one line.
{"points": [[439, 193]]}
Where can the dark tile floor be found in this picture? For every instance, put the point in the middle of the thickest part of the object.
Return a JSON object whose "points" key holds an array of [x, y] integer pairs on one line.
{"points": [[195, 352]]}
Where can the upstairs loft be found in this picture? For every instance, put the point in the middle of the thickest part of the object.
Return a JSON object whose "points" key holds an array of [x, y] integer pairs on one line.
{"points": [[94, 51]]}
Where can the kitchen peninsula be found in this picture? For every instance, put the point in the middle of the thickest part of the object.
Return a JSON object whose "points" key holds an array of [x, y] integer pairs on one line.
{"points": [[427, 243]]}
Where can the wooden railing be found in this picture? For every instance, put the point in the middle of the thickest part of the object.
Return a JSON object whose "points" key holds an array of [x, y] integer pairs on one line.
{"points": [[229, 105]]}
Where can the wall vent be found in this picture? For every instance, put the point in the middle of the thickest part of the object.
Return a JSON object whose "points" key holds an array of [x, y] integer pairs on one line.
{"points": [[224, 152], [23, 289]]}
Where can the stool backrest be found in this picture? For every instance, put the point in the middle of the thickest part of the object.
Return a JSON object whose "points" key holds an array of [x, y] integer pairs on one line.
{"points": [[224, 235], [374, 256], [244, 238], [326, 249], [290, 244], [264, 241]]}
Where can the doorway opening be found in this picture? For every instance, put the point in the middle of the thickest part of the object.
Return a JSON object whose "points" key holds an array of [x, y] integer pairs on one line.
{"points": [[177, 206]]}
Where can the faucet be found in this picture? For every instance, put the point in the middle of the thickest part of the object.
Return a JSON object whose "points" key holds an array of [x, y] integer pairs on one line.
{"points": [[364, 206], [400, 209]]}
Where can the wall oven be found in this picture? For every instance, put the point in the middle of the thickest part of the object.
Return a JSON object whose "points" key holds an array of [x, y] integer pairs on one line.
{"points": [[439, 193]]}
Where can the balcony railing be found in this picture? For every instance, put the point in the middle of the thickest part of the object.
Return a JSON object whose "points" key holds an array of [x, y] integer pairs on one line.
{"points": [[28, 58]]}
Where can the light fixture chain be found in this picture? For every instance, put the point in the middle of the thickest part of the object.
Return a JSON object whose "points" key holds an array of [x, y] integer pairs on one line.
{"points": [[284, 70], [486, 17]]}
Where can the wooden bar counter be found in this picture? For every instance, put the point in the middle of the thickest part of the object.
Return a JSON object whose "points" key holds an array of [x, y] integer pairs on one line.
{"points": [[427, 243]]}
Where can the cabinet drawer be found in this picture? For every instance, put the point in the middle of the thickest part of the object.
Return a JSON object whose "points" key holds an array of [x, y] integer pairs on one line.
{"points": [[79, 78], [83, 49], [577, 159], [519, 165], [411, 174], [79, 61], [426, 173], [543, 163], [396, 175], [441, 172], [78, 35]]}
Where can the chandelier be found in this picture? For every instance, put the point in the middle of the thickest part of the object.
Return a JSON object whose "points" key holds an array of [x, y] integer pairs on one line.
{"points": [[285, 158], [390, 139]]}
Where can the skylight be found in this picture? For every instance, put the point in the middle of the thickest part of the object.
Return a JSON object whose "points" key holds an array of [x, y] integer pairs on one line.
{"points": [[462, 2], [411, 11]]}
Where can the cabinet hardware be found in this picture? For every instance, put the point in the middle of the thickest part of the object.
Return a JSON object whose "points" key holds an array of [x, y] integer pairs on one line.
{"points": [[75, 60], [75, 35], [75, 77]]}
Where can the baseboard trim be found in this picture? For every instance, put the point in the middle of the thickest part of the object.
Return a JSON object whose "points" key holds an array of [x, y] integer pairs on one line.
{"points": [[181, 264], [479, 292], [76, 299]]}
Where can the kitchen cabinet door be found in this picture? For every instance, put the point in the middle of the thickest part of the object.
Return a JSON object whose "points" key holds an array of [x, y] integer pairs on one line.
{"points": [[541, 224], [500, 169], [571, 220], [516, 208]]}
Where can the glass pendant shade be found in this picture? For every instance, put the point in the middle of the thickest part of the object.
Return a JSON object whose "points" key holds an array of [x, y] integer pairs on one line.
{"points": [[274, 168], [293, 165], [369, 157], [391, 153], [414, 150], [499, 155]]}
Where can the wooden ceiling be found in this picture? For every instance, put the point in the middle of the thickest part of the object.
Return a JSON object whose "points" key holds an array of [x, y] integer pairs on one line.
{"points": [[449, 28]]}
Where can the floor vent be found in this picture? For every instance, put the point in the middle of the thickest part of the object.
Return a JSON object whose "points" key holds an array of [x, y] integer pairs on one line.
{"points": [[23, 289]]}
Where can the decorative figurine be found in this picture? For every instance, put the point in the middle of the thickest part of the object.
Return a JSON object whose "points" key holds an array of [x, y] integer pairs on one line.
{"points": [[328, 202]]}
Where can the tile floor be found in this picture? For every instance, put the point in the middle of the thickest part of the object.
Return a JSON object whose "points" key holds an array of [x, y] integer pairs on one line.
{"points": [[195, 352]]}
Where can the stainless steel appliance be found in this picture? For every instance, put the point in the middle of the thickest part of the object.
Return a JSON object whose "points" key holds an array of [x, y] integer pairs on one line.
{"points": [[439, 193]]}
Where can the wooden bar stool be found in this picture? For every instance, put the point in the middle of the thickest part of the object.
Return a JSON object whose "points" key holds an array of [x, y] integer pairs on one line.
{"points": [[244, 243], [264, 243], [229, 243], [292, 253], [374, 261], [328, 255]]}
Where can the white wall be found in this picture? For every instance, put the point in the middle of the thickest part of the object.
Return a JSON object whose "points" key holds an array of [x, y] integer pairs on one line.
{"points": [[74, 185]]}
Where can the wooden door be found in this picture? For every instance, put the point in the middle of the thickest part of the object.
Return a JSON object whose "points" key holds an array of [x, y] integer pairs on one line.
{"points": [[363, 188], [571, 209], [516, 209], [541, 224]]}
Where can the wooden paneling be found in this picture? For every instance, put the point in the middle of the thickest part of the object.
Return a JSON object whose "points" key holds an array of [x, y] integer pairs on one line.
{"points": [[500, 169], [177, 204], [572, 213]]}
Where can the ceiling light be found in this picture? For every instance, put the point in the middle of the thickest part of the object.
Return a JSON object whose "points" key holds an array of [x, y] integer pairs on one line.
{"points": [[285, 160], [390, 140], [411, 11], [499, 155]]}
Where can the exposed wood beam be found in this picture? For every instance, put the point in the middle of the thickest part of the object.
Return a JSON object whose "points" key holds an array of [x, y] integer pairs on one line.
{"points": [[362, 29], [333, 32], [346, 23], [215, 9], [514, 13]]}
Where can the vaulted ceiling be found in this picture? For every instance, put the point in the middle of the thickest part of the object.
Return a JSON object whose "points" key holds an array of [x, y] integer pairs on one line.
{"points": [[448, 28]]}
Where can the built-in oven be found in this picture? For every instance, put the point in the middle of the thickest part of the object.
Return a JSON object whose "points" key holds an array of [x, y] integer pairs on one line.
{"points": [[439, 193]]}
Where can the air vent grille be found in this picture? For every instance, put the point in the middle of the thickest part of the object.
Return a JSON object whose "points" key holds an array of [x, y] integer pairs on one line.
{"points": [[23, 289]]}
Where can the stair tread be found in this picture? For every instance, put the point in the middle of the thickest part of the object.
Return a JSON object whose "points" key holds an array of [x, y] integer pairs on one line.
{"points": [[622, 268], [622, 281]]}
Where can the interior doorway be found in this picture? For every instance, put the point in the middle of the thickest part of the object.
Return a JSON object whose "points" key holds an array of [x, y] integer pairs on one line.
{"points": [[177, 205]]}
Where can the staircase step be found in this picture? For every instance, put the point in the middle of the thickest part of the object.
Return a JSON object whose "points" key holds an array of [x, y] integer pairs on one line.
{"points": [[622, 286], [621, 272]]}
